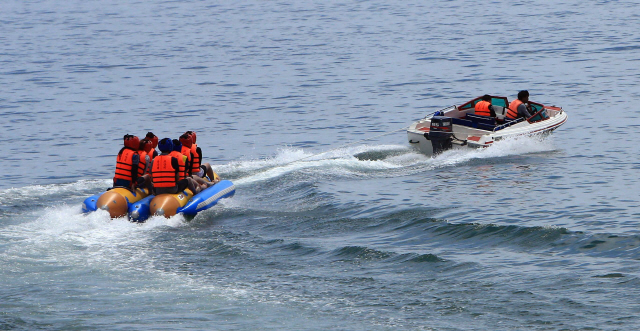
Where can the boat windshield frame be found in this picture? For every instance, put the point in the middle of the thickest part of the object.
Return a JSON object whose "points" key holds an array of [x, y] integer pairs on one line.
{"points": [[495, 100], [540, 113]]}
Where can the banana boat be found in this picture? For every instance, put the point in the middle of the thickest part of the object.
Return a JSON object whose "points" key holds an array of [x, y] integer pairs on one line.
{"points": [[140, 205]]}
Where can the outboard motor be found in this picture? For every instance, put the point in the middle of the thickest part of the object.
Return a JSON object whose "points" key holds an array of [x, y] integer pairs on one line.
{"points": [[440, 133]]}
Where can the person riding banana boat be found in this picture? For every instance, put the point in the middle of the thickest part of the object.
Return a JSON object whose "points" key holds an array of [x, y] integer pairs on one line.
{"points": [[167, 184]]}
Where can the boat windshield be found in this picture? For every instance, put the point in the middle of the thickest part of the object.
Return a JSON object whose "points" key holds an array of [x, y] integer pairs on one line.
{"points": [[539, 116]]}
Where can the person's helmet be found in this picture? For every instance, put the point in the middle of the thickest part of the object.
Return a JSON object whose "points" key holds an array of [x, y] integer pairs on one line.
{"points": [[165, 145], [148, 145], [186, 141], [193, 136], [153, 138], [132, 142], [177, 145], [143, 144]]}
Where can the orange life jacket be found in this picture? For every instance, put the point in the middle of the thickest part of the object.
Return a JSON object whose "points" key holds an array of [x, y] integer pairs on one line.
{"points": [[512, 111], [186, 151], [142, 166], [182, 163], [125, 164], [195, 161], [163, 173], [482, 108]]}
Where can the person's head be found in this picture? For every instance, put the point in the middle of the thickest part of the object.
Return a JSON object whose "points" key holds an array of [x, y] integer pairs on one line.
{"points": [[486, 97], [177, 145], [186, 141], [165, 145], [131, 141], [148, 145], [523, 95], [143, 144], [193, 136], [153, 138]]}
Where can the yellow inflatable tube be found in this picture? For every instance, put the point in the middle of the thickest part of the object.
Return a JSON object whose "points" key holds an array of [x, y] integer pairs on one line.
{"points": [[116, 201]]}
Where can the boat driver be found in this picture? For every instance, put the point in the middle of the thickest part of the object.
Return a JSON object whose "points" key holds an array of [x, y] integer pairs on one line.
{"points": [[519, 107]]}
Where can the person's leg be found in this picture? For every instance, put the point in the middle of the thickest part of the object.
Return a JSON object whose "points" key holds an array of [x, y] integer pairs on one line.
{"points": [[193, 185], [209, 171]]}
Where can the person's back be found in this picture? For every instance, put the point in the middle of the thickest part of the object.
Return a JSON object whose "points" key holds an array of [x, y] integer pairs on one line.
{"points": [[483, 108], [145, 160], [199, 169], [518, 107], [185, 140], [127, 163], [165, 170], [154, 141], [182, 159]]}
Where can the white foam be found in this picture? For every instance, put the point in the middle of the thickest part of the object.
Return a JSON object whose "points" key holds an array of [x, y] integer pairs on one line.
{"points": [[506, 147]]}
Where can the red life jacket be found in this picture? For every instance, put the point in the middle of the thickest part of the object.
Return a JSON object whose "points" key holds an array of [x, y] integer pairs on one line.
{"points": [[482, 108], [182, 163], [163, 173], [125, 164], [142, 166], [186, 151], [512, 111], [195, 161]]}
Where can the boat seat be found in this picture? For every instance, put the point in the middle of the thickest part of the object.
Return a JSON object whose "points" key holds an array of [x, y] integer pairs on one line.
{"points": [[487, 127], [481, 119], [460, 121]]}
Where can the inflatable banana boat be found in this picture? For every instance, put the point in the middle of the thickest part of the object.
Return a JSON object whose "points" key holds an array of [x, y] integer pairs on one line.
{"points": [[140, 205]]}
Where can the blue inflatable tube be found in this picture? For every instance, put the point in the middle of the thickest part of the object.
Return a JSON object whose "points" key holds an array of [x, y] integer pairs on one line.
{"points": [[90, 203], [139, 211], [208, 198]]}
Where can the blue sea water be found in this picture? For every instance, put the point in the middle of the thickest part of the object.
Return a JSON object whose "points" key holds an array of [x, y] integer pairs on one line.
{"points": [[529, 234]]}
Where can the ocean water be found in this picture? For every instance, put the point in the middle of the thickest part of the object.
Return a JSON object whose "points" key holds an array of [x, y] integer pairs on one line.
{"points": [[329, 229]]}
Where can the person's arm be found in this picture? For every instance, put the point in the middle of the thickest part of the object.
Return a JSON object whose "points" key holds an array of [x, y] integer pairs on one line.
{"points": [[522, 111], [135, 162], [176, 168], [199, 151], [491, 111]]}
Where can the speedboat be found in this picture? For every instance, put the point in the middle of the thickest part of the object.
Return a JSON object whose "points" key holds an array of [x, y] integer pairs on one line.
{"points": [[140, 204], [459, 126]]}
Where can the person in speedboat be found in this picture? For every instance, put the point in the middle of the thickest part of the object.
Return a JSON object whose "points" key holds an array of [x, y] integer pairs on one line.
{"points": [[519, 107], [484, 108]]}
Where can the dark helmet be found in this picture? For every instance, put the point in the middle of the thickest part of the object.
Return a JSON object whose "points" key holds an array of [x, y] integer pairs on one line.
{"points": [[165, 145], [177, 145], [186, 141], [131, 141]]}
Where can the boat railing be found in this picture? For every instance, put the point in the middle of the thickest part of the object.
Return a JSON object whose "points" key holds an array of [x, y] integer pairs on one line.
{"points": [[439, 111], [508, 124]]}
